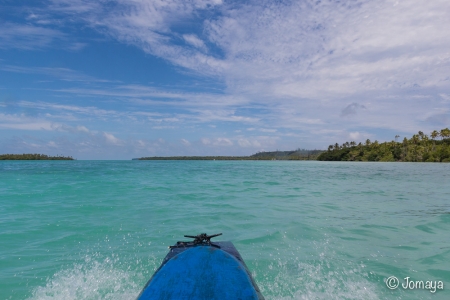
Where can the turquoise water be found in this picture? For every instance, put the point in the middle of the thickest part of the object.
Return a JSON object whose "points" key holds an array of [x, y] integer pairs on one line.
{"points": [[307, 230]]}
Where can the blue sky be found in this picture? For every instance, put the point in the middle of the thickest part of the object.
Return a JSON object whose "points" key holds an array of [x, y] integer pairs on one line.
{"points": [[117, 79]]}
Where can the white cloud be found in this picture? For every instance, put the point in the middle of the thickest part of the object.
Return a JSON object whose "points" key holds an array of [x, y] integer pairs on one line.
{"points": [[252, 144], [312, 50], [228, 115], [193, 40], [290, 68], [52, 144], [28, 126], [185, 142], [140, 144], [267, 130], [112, 139], [163, 127], [293, 49], [445, 97], [222, 142], [354, 136], [83, 110], [299, 52], [147, 24], [64, 74], [82, 129], [26, 37], [24, 122], [75, 6], [244, 143]]}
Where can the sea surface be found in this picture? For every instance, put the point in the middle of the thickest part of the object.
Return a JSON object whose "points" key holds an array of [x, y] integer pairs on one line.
{"points": [[307, 230]]}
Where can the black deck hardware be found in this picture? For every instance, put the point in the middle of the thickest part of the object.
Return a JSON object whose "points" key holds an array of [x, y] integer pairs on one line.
{"points": [[199, 240]]}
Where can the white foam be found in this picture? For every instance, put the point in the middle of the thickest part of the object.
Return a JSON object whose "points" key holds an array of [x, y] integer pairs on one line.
{"points": [[91, 280], [318, 281]]}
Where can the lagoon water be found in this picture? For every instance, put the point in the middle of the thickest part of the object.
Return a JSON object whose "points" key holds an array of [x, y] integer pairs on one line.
{"points": [[307, 230]]}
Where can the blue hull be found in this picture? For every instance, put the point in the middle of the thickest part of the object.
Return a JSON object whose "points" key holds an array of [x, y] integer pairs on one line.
{"points": [[202, 272]]}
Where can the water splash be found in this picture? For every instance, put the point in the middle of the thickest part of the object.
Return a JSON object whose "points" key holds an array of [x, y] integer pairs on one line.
{"points": [[322, 274], [91, 280], [318, 280]]}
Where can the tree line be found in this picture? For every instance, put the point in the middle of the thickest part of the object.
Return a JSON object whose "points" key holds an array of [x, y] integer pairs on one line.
{"points": [[33, 157], [299, 154], [419, 148]]}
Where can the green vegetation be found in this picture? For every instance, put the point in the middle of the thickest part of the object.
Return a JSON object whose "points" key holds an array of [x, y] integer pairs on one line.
{"points": [[419, 148], [193, 158], [33, 157], [299, 154]]}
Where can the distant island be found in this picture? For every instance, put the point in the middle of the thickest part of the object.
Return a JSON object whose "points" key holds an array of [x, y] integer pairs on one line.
{"points": [[419, 148], [299, 154], [33, 157]]}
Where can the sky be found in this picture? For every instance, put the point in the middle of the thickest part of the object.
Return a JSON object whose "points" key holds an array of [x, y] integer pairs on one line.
{"points": [[119, 79]]}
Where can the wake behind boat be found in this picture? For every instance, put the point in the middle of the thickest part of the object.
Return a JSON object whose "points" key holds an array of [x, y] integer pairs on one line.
{"points": [[200, 269]]}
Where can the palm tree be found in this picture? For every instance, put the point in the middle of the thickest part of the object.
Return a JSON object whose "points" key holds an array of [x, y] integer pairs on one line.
{"points": [[367, 142], [445, 133], [405, 148], [420, 134], [434, 135], [442, 133], [375, 144]]}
